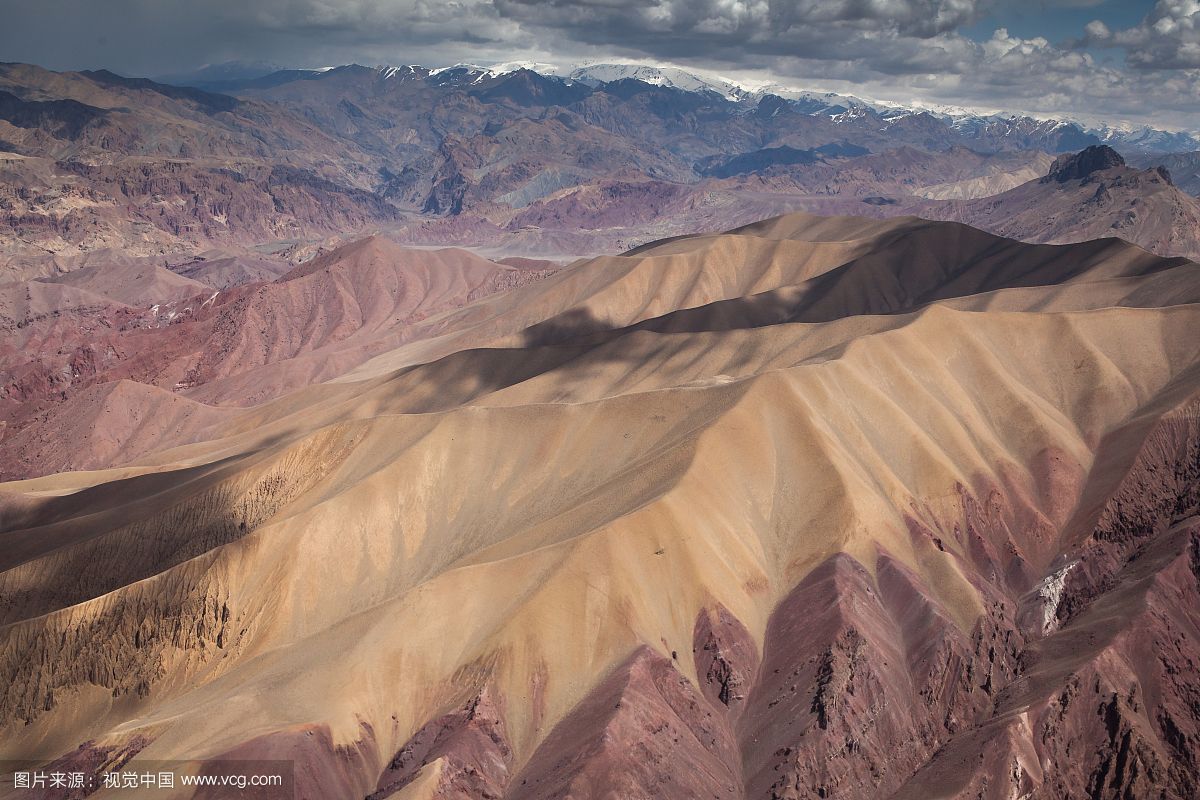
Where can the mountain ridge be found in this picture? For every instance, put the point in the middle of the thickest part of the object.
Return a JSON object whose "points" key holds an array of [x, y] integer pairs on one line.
{"points": [[879, 518], [1138, 139]]}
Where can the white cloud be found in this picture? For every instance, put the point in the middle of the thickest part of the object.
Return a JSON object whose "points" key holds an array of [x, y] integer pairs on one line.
{"points": [[1168, 37]]}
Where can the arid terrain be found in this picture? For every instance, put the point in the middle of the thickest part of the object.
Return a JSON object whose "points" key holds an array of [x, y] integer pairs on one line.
{"points": [[818, 507], [479, 433]]}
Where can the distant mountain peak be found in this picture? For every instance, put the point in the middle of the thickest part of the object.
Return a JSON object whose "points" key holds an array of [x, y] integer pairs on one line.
{"points": [[668, 77], [1076, 166]]}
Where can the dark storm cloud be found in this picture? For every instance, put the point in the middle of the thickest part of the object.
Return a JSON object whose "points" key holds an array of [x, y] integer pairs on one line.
{"points": [[142, 35], [751, 24], [888, 36], [898, 49], [157, 36]]}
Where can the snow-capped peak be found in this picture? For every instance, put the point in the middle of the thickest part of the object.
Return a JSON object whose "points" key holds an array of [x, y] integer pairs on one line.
{"points": [[506, 67], [471, 68], [835, 105], [406, 71], [670, 77]]}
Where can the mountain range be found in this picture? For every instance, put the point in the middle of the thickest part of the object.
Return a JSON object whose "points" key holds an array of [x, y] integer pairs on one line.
{"points": [[235, 76], [814, 507], [294, 160]]}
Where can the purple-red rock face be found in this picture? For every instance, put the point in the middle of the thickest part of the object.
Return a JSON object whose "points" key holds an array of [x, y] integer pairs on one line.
{"points": [[726, 659], [643, 732], [471, 745]]}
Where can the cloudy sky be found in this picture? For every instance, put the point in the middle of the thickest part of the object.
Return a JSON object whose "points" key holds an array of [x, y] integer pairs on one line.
{"points": [[1121, 61]]}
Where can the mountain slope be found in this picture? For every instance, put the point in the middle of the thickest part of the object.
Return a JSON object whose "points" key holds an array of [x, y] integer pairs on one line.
{"points": [[109, 161], [132, 284], [91, 330], [731, 515], [1078, 201], [1184, 169]]}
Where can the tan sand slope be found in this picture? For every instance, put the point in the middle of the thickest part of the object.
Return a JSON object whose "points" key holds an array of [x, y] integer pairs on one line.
{"points": [[822, 507]]}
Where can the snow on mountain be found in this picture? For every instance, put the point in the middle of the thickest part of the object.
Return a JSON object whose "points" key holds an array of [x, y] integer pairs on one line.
{"points": [[406, 71], [1148, 140], [976, 124], [671, 77], [844, 107], [505, 67], [1129, 140], [828, 103]]}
